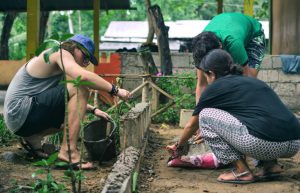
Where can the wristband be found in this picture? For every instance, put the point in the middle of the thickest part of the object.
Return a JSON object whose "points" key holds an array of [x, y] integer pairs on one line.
{"points": [[114, 90], [93, 110]]}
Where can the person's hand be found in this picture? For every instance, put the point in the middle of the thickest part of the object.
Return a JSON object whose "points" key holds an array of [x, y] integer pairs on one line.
{"points": [[197, 139], [124, 94], [172, 149], [176, 150], [102, 114]]}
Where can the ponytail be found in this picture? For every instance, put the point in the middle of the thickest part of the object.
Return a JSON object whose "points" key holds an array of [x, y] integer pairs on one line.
{"points": [[235, 70]]}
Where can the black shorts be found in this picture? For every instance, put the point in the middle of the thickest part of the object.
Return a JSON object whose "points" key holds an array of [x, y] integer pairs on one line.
{"points": [[47, 111]]}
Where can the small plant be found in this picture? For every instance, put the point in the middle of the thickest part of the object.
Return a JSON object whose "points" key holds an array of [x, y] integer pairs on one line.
{"points": [[5, 135], [75, 176], [182, 89], [47, 185]]}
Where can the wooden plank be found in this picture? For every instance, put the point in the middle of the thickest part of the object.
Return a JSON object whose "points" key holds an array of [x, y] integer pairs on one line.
{"points": [[220, 6], [96, 5], [248, 7], [285, 27], [33, 26]]}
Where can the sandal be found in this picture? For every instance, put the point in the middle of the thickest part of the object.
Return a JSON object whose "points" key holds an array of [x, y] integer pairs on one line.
{"points": [[237, 177], [37, 153], [269, 176], [267, 173]]}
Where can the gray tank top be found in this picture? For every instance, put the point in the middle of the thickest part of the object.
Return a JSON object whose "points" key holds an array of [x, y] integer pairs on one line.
{"points": [[19, 95]]}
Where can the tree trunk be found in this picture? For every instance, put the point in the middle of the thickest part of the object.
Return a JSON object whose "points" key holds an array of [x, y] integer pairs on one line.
{"points": [[71, 28], [7, 26], [79, 21], [148, 62], [43, 25], [161, 32], [150, 35]]}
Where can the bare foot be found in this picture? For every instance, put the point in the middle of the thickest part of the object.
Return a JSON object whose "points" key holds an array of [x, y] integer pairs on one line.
{"points": [[63, 156], [236, 176], [35, 141]]}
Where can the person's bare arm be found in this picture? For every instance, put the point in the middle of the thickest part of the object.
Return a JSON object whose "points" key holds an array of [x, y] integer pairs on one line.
{"points": [[74, 70], [97, 112], [189, 129], [201, 84], [251, 72]]}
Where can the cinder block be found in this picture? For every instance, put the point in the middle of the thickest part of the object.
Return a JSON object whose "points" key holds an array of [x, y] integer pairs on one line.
{"points": [[267, 62], [180, 60], [185, 115], [262, 75], [288, 77], [285, 89], [276, 62], [272, 75], [298, 90]]}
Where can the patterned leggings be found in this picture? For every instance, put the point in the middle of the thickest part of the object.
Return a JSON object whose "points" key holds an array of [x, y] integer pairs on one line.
{"points": [[229, 139]]}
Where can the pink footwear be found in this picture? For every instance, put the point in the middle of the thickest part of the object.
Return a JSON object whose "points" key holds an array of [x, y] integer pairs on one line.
{"points": [[205, 161], [177, 162]]}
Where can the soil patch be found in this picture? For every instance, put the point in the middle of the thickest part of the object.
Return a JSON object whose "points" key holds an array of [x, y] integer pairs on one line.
{"points": [[155, 176], [19, 170]]}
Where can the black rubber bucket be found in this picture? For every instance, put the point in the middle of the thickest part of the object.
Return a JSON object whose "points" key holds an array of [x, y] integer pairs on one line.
{"points": [[99, 140]]}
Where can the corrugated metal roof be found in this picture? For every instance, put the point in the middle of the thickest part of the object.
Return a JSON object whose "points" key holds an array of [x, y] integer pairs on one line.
{"points": [[183, 29], [52, 5]]}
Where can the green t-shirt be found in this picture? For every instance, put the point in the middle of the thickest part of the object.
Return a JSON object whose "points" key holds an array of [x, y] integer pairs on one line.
{"points": [[235, 30]]}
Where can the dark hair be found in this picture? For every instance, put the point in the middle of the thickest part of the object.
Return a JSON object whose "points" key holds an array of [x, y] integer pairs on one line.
{"points": [[220, 63], [202, 44]]}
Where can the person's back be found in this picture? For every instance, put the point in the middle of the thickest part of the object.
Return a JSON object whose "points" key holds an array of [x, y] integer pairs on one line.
{"points": [[255, 104], [240, 35], [19, 95], [235, 30]]}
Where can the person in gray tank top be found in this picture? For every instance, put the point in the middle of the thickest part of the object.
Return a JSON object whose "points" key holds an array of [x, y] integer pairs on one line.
{"points": [[34, 105]]}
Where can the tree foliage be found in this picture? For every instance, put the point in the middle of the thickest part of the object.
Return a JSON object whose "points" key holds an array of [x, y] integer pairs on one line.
{"points": [[82, 21]]}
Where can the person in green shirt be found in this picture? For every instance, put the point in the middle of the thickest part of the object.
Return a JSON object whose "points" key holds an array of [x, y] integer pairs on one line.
{"points": [[240, 35]]}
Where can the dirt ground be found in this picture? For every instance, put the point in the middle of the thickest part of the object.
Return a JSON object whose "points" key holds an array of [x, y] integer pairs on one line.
{"points": [[155, 176], [20, 168]]}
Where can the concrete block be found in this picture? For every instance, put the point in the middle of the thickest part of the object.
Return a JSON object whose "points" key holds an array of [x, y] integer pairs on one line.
{"points": [[130, 59], [272, 75], [156, 59], [180, 60], [276, 62], [291, 102], [262, 75], [289, 77], [133, 126], [298, 90], [285, 89], [267, 62], [185, 115]]}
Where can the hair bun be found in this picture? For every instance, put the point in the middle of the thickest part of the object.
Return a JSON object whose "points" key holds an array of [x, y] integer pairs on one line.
{"points": [[234, 69]]}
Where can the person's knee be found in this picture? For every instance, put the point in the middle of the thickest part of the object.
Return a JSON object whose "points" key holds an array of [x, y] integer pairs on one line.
{"points": [[82, 91]]}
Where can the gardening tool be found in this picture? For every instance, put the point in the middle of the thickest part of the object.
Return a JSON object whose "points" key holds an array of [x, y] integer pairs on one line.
{"points": [[99, 143]]}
